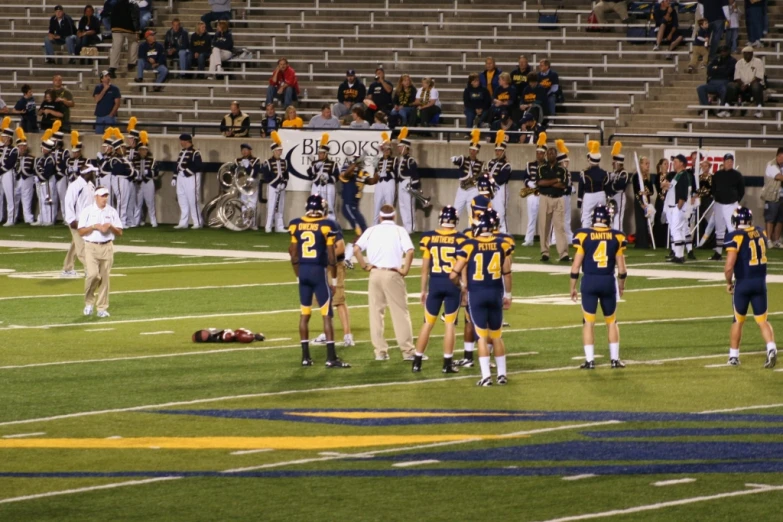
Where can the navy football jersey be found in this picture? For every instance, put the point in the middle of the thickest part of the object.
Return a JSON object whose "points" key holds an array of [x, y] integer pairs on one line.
{"points": [[485, 257], [751, 247], [312, 236], [478, 205], [600, 246], [440, 247]]}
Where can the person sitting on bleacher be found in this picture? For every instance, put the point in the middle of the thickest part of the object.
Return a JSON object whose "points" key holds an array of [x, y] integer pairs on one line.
{"points": [[221, 10], [427, 102], [748, 82], [152, 56], [200, 46], [528, 123], [61, 32], [403, 112], [667, 26], [176, 44], [26, 107], [292, 120], [87, 30], [519, 75], [534, 98], [222, 45], [271, 121], [145, 13], [720, 72], [506, 99], [358, 121], [235, 124], [550, 81], [380, 92], [477, 101], [283, 84], [349, 93], [50, 110], [325, 120], [490, 76]]}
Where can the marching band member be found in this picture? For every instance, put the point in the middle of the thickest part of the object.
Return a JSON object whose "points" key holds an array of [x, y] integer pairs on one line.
{"points": [[591, 191], [563, 161], [103, 178], [530, 192], [499, 170], [471, 168], [406, 171], [45, 171], [60, 158], [616, 184], [79, 196], [25, 167], [252, 165], [644, 210], [9, 155], [75, 162], [188, 183], [678, 207], [353, 178], [323, 172], [131, 153], [147, 173], [275, 172], [122, 174], [386, 188]]}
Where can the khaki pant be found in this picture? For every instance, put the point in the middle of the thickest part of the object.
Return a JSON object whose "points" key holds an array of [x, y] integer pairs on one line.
{"points": [[387, 288], [98, 259], [551, 212], [118, 40], [75, 252], [602, 8], [699, 51]]}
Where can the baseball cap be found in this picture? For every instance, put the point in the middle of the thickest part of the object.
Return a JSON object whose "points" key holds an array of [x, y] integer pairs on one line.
{"points": [[105, 73], [246, 146], [186, 137], [747, 49], [58, 7], [728, 156], [102, 191], [148, 32], [350, 72]]}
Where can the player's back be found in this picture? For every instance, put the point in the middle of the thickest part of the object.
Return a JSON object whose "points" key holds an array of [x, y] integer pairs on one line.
{"points": [[441, 246], [751, 247], [312, 236], [600, 246], [506, 238], [485, 257]]}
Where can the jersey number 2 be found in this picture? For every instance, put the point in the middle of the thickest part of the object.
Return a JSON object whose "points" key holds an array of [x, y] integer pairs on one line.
{"points": [[308, 242]]}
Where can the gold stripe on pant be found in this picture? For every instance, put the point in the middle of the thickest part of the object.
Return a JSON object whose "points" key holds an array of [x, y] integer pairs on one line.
{"points": [[98, 260], [387, 289], [551, 212], [75, 252]]}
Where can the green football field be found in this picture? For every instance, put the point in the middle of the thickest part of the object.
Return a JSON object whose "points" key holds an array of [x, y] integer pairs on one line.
{"points": [[125, 418]]}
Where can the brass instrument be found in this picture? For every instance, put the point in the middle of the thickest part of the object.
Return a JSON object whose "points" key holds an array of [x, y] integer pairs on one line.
{"points": [[228, 210], [527, 191], [423, 200], [705, 184]]}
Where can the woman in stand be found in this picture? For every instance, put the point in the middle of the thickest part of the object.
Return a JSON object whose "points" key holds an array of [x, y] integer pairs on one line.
{"points": [[403, 112], [222, 49], [427, 102], [292, 121]]}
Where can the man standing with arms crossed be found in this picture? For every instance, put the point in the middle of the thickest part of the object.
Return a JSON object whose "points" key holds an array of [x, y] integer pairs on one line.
{"points": [[728, 189], [551, 213]]}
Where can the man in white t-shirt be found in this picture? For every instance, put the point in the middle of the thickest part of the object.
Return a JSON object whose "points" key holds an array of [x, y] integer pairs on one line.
{"points": [[79, 196], [98, 225]]}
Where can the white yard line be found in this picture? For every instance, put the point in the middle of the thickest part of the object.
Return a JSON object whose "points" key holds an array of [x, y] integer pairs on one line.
{"points": [[580, 477], [162, 332], [23, 435], [744, 408], [520, 354], [100, 330], [663, 505], [674, 482], [248, 452], [28, 252], [415, 463], [84, 490]]}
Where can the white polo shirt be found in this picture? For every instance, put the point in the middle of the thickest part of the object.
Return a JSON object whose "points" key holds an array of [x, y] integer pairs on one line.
{"points": [[748, 71], [93, 215], [80, 195], [386, 244]]}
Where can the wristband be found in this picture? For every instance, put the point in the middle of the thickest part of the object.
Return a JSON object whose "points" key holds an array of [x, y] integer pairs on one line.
{"points": [[622, 275], [506, 295], [334, 281], [574, 275], [506, 273]]}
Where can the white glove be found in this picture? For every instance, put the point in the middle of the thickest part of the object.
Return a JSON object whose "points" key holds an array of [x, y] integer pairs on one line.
{"points": [[173, 182], [455, 159]]}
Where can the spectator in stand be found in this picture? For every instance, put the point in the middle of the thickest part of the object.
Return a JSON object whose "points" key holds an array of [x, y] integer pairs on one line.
{"points": [[357, 115], [221, 10], [403, 112], [720, 72], [325, 120], [177, 43], [529, 124], [427, 103], [107, 102], [490, 77], [748, 82], [732, 32], [380, 92], [124, 28], [506, 99], [63, 96], [755, 15], [145, 13], [349, 93], [549, 80], [380, 121], [271, 121], [506, 123], [235, 124], [222, 45], [667, 26], [108, 5], [605, 6], [477, 101], [152, 57], [61, 32], [292, 120], [519, 75], [283, 84], [3, 107], [26, 107], [534, 99], [87, 30], [50, 110], [701, 46], [200, 46], [716, 14]]}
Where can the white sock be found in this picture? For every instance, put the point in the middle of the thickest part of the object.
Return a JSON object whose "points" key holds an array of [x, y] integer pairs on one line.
{"points": [[718, 250], [469, 347], [448, 355], [484, 363], [500, 360], [614, 351], [418, 354], [589, 352], [678, 251], [688, 246], [734, 352], [771, 346]]}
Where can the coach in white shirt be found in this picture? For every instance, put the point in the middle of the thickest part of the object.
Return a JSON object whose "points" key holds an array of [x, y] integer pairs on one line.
{"points": [[80, 195], [98, 224], [389, 257]]}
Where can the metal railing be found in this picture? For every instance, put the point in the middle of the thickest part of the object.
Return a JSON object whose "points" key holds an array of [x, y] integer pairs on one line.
{"points": [[700, 139]]}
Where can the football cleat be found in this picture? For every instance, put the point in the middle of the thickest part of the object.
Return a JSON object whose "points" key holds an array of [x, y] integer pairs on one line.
{"points": [[772, 359], [617, 363], [733, 361], [502, 380], [416, 365], [485, 382], [691, 256], [716, 257], [450, 369], [505, 324], [412, 357], [307, 362], [348, 264], [88, 310], [678, 260], [588, 365], [464, 363], [337, 363]]}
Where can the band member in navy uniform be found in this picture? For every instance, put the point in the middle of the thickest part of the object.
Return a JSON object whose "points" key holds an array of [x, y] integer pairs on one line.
{"points": [[471, 168], [132, 153], [45, 171], [274, 172], [406, 170], [591, 191], [746, 279], [438, 249], [60, 158], [9, 155], [123, 175], [187, 181], [147, 172], [565, 162], [252, 166], [499, 171], [353, 179], [483, 267], [103, 161], [530, 192], [386, 188], [25, 168], [324, 172], [599, 250], [312, 255], [616, 184]]}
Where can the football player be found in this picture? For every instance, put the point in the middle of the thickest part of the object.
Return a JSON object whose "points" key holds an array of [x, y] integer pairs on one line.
{"points": [[484, 267], [439, 248], [599, 249], [312, 253], [746, 279], [483, 201]]}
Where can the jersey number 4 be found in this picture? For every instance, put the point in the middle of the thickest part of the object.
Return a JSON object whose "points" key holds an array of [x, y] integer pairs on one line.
{"points": [[442, 259], [758, 252], [493, 268], [599, 256]]}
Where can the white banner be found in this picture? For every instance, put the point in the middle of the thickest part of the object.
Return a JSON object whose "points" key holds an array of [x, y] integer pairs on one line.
{"points": [[715, 156], [300, 148]]}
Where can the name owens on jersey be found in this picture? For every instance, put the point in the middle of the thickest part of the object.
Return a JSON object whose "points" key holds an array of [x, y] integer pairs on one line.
{"points": [[312, 237]]}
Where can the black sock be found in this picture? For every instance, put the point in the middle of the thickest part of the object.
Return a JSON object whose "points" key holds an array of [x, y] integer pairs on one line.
{"points": [[468, 355], [305, 350], [331, 354], [447, 362]]}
